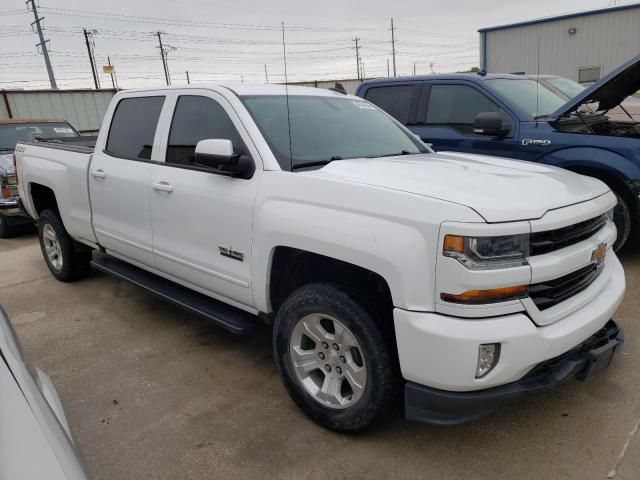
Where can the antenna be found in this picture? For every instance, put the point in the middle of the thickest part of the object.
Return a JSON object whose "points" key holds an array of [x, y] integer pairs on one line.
{"points": [[286, 89], [538, 83]]}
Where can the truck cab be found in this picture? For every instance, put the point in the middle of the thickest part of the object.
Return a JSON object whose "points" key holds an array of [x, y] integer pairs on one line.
{"points": [[515, 116]]}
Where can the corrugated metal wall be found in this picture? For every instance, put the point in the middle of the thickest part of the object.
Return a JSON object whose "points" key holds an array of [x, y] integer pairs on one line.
{"points": [[604, 39], [84, 109]]}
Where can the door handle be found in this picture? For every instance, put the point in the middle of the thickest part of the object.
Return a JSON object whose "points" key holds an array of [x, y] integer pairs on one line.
{"points": [[162, 187], [99, 173]]}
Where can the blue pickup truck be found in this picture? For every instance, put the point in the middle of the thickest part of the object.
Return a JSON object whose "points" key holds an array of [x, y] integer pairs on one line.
{"points": [[515, 116]]}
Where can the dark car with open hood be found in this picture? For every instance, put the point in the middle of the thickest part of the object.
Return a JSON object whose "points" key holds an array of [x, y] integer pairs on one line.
{"points": [[593, 133]]}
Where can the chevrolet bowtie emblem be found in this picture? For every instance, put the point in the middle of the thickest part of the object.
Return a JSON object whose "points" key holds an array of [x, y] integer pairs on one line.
{"points": [[599, 253]]}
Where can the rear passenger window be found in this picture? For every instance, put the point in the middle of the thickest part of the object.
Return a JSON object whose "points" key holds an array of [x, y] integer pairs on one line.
{"points": [[198, 118], [395, 100], [133, 127], [456, 106]]}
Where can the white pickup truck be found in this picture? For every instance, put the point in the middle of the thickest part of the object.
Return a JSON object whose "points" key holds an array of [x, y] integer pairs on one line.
{"points": [[462, 281]]}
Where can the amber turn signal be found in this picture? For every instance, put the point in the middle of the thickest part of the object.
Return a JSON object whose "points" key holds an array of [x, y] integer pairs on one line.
{"points": [[493, 295], [453, 243]]}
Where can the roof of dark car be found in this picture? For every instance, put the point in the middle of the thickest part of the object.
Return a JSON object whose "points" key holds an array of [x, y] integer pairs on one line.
{"points": [[19, 121], [475, 77]]}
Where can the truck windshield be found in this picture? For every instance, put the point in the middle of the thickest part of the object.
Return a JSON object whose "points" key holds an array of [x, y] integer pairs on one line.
{"points": [[324, 129], [566, 86], [527, 95], [27, 132]]}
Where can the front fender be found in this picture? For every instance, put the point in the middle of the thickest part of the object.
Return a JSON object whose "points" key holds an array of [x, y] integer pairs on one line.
{"points": [[610, 162], [396, 252]]}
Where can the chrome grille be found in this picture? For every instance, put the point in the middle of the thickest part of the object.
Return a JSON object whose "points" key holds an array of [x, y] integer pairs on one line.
{"points": [[552, 292], [552, 240]]}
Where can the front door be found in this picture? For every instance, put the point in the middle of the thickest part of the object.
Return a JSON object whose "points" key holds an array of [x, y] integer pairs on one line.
{"points": [[447, 121], [202, 221], [119, 180]]}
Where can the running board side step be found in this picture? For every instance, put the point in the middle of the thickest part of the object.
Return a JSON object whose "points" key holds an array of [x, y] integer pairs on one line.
{"points": [[230, 318]]}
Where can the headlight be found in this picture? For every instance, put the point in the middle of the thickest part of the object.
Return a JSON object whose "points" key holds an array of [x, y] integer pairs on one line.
{"points": [[488, 253]]}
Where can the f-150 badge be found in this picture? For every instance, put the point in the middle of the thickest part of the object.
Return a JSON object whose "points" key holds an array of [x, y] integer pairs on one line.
{"points": [[529, 142]]}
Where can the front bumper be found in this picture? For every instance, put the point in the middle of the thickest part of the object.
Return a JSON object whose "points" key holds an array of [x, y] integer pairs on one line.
{"points": [[435, 406]]}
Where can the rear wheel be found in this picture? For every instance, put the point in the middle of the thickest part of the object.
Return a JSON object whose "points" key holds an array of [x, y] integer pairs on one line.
{"points": [[62, 258], [332, 359]]}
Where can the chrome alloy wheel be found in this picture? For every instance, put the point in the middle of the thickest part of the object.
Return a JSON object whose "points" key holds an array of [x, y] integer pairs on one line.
{"points": [[328, 361], [52, 247]]}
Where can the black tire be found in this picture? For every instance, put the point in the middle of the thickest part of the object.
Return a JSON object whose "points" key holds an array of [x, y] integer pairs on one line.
{"points": [[75, 262], [5, 229], [380, 389], [624, 220]]}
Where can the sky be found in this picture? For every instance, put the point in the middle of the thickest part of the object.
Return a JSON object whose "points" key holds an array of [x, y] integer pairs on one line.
{"points": [[233, 40]]}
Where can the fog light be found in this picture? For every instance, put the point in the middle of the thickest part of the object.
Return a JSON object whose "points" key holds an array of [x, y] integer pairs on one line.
{"points": [[488, 356]]}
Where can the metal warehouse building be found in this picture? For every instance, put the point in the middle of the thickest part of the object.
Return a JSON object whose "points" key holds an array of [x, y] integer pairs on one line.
{"points": [[580, 46]]}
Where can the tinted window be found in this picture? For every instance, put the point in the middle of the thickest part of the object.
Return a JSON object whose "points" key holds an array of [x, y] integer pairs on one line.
{"points": [[327, 128], [133, 127], [28, 132], [456, 106], [396, 101], [198, 118]]}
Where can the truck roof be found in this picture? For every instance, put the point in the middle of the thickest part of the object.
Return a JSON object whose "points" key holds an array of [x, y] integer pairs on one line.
{"points": [[475, 77], [249, 89]]}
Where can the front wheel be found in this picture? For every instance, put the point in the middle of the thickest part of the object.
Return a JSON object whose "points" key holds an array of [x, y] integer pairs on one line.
{"points": [[333, 359], [623, 219]]}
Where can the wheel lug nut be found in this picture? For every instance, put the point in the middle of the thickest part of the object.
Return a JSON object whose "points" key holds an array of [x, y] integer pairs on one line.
{"points": [[342, 359], [339, 370], [336, 347], [321, 355], [327, 368], [325, 344]]}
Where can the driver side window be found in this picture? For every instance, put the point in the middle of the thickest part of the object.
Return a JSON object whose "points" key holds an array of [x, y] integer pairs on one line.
{"points": [[456, 106], [198, 118]]}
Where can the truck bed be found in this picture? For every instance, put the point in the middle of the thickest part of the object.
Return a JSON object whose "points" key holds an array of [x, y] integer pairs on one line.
{"points": [[62, 168]]}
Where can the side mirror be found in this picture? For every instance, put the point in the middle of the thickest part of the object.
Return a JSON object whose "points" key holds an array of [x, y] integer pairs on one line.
{"points": [[218, 155], [490, 124]]}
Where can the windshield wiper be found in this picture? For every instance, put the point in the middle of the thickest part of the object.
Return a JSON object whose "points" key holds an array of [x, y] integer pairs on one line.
{"points": [[403, 152], [317, 163]]}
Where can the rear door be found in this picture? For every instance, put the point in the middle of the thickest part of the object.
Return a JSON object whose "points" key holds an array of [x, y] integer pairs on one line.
{"points": [[398, 99], [120, 177], [202, 221], [446, 113]]}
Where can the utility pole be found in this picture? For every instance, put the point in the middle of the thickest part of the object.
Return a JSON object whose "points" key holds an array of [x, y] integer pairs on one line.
{"points": [[414, 69], [163, 55], [43, 42], [393, 47], [241, 78], [266, 74], [357, 58], [364, 75], [92, 59], [188, 80], [114, 80], [388, 73]]}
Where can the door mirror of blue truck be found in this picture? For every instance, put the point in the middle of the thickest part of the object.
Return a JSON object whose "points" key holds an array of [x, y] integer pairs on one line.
{"points": [[490, 124]]}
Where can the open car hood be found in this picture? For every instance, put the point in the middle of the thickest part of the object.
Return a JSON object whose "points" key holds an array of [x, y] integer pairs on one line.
{"points": [[609, 91]]}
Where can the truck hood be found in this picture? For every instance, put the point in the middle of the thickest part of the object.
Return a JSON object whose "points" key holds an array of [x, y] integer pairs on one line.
{"points": [[609, 91], [499, 190]]}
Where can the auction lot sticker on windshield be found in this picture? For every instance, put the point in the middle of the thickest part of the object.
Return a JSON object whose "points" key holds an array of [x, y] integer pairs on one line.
{"points": [[365, 105], [62, 130]]}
